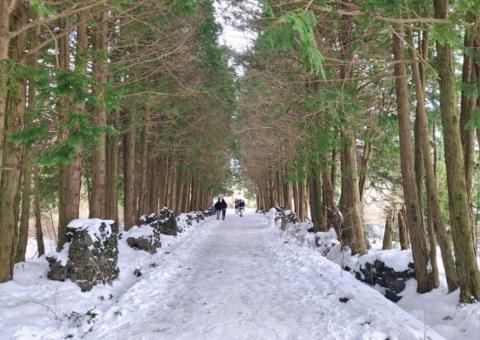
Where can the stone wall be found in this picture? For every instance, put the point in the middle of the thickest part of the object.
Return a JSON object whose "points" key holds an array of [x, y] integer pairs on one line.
{"points": [[89, 256], [387, 269]]}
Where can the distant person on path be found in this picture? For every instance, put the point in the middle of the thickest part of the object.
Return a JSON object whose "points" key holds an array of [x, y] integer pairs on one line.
{"points": [[224, 208], [218, 208], [241, 207], [236, 205]]}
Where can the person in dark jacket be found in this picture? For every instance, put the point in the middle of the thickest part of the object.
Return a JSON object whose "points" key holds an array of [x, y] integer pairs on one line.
{"points": [[236, 205], [218, 208], [224, 209], [241, 207]]}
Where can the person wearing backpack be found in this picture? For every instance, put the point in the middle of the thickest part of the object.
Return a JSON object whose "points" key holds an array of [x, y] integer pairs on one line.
{"points": [[241, 207]]}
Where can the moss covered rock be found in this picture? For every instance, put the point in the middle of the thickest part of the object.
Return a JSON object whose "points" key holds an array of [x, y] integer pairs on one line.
{"points": [[90, 254]]}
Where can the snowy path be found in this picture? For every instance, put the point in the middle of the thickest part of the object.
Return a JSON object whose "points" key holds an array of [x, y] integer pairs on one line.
{"points": [[238, 279]]}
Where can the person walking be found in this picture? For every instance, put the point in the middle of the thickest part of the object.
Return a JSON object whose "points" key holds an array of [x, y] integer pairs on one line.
{"points": [[224, 209], [236, 205], [241, 207], [218, 208]]}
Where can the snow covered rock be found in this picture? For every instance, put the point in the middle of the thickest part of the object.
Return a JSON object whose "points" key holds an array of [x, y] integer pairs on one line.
{"points": [[387, 270], [89, 256], [57, 270], [165, 222], [189, 218], [144, 237], [378, 269], [285, 216], [209, 212]]}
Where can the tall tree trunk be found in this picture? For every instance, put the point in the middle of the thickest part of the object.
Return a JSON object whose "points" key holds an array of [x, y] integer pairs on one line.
{"points": [[179, 189], [167, 180], [193, 192], [38, 213], [466, 263], [200, 205], [367, 153], [129, 172], [143, 170], [70, 174], [100, 153], [352, 223], [22, 239], [388, 232], [273, 189], [5, 12], [333, 216], [296, 198], [16, 208], [153, 193], [468, 105], [288, 195], [414, 219], [12, 154], [402, 230], [161, 175], [173, 184], [302, 193], [164, 181], [279, 188], [111, 191], [419, 80], [351, 203], [186, 193], [433, 201], [333, 167], [316, 199]]}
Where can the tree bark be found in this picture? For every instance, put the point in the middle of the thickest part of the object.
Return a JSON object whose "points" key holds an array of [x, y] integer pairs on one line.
{"points": [[367, 153], [301, 203], [153, 192], [288, 195], [352, 228], [129, 172], [296, 198], [38, 214], [5, 12], [351, 200], [316, 205], [111, 191], [27, 159], [70, 174], [388, 232], [466, 263], [402, 230], [100, 150], [22, 239], [333, 168], [433, 201], [143, 170], [414, 219], [12, 155], [333, 216], [468, 105]]}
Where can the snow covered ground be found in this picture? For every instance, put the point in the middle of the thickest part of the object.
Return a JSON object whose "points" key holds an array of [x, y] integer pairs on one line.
{"points": [[438, 309], [235, 279]]}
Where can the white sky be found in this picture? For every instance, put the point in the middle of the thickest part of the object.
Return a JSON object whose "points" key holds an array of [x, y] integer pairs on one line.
{"points": [[232, 36]]}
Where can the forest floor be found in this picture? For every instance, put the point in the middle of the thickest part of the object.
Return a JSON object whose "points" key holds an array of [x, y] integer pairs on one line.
{"points": [[232, 279]]}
